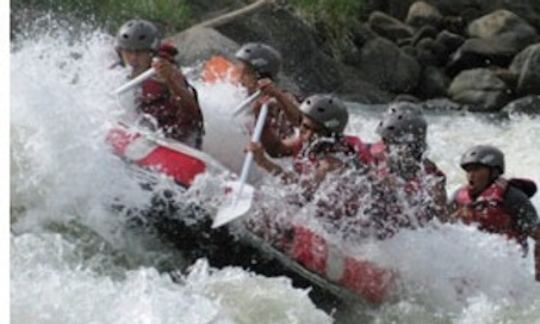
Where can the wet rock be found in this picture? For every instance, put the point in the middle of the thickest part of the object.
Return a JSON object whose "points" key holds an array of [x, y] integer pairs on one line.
{"points": [[428, 52], [527, 65], [496, 23], [499, 36], [387, 66], [529, 105], [422, 14], [409, 50], [479, 88], [477, 52], [362, 34], [388, 26], [424, 32], [508, 77], [450, 42], [405, 97], [433, 83]]}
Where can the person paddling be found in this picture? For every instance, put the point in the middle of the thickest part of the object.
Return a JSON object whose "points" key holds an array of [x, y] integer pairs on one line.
{"points": [[167, 99], [319, 148], [259, 65], [412, 189], [496, 204]]}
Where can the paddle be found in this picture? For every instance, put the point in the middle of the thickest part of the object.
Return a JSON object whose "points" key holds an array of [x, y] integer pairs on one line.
{"points": [[244, 105], [242, 194], [135, 81]]}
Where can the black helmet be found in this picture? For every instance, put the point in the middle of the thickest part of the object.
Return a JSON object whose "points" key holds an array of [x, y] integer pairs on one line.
{"points": [[486, 155], [264, 59], [403, 122], [138, 34], [328, 111]]}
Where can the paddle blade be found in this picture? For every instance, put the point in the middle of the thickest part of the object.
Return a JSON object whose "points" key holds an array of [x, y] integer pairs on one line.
{"points": [[236, 205]]}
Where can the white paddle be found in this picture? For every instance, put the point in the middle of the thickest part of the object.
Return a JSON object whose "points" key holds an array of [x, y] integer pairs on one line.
{"points": [[135, 81], [242, 194], [242, 107]]}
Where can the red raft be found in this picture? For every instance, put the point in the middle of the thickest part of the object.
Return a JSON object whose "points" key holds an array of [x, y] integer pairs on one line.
{"points": [[168, 157], [301, 249]]}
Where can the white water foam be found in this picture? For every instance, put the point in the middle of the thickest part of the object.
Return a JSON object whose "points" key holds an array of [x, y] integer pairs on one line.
{"points": [[63, 174]]}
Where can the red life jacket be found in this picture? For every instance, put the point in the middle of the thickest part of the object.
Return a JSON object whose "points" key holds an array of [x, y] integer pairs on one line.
{"points": [[487, 210], [157, 101]]}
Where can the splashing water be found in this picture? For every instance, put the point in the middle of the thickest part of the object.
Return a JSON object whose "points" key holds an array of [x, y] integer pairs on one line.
{"points": [[73, 261]]}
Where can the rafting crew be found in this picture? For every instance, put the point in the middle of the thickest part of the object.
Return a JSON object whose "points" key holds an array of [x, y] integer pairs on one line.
{"points": [[166, 100], [407, 189], [494, 203]]}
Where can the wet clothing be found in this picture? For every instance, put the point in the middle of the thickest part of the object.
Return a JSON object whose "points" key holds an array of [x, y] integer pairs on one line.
{"points": [[403, 202], [340, 200], [308, 157], [157, 101], [502, 208]]}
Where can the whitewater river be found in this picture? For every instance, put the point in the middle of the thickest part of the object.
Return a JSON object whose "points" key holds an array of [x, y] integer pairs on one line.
{"points": [[74, 260]]}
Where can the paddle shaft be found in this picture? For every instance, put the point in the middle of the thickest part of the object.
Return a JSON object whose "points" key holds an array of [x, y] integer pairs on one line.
{"points": [[245, 104], [249, 157], [135, 81]]}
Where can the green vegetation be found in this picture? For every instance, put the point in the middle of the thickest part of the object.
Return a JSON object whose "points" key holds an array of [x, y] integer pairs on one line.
{"points": [[334, 18], [172, 15]]}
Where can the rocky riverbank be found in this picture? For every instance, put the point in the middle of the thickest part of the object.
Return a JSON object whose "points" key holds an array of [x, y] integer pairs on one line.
{"points": [[479, 55], [482, 55]]}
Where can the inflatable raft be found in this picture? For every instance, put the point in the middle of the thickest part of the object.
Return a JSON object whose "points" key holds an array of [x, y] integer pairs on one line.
{"points": [[298, 248]]}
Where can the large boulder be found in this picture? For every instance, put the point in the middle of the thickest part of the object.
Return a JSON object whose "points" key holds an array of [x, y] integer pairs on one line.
{"points": [[529, 105], [477, 52], [307, 60], [479, 88], [433, 83], [498, 22], [428, 52], [497, 47], [422, 13], [449, 42], [388, 26], [387, 66], [527, 65], [498, 37], [310, 67], [198, 44]]}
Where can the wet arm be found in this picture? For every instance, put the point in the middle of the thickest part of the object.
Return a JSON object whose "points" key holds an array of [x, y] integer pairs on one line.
{"points": [[179, 88], [181, 91], [287, 102], [440, 200]]}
